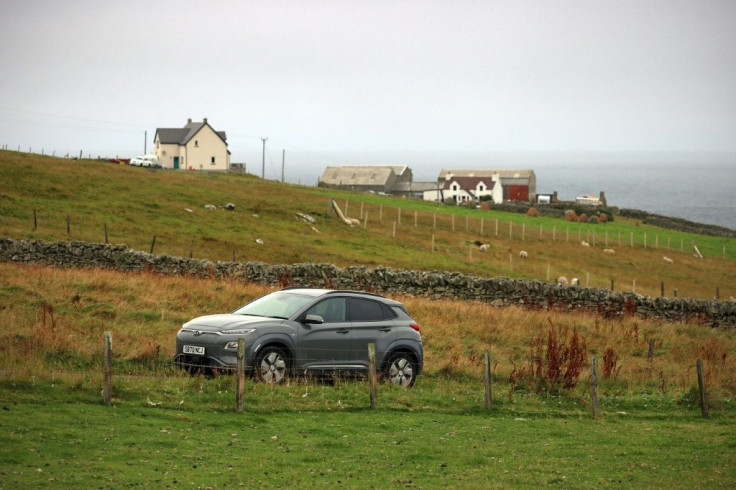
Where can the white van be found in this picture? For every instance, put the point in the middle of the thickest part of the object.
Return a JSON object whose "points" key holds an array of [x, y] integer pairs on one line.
{"points": [[146, 161]]}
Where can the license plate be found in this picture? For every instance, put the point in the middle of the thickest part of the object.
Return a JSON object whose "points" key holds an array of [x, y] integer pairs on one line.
{"points": [[194, 349]]}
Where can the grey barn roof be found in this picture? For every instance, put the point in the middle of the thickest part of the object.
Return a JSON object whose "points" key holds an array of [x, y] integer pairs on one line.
{"points": [[357, 175], [447, 173]]}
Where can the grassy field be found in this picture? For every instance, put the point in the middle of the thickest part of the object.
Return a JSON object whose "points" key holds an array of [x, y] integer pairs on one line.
{"points": [[166, 429], [54, 433], [134, 204]]}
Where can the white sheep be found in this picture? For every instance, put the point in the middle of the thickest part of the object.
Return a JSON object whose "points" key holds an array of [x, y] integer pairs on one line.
{"points": [[667, 260], [609, 251], [585, 244], [575, 281], [523, 255], [484, 247], [562, 280]]}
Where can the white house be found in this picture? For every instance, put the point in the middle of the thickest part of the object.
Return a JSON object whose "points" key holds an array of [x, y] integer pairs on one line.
{"points": [[196, 146], [462, 185], [464, 189]]}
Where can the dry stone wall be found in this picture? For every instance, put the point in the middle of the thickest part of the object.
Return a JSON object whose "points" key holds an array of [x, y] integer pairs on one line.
{"points": [[497, 291]]}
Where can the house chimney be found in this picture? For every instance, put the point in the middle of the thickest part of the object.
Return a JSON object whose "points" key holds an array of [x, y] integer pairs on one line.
{"points": [[204, 119], [189, 121]]}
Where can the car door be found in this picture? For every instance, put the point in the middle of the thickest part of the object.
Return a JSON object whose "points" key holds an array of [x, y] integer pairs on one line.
{"points": [[371, 321], [325, 346]]}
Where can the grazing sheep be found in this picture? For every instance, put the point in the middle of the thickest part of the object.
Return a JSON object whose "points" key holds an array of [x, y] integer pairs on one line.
{"points": [[562, 280], [523, 254], [667, 260], [585, 244], [210, 206], [609, 251], [575, 282], [484, 247]]}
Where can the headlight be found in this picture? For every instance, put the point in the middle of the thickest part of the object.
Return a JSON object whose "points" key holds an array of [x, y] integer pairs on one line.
{"points": [[238, 331]]}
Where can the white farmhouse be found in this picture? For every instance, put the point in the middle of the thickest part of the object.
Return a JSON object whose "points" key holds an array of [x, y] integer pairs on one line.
{"points": [[196, 146]]}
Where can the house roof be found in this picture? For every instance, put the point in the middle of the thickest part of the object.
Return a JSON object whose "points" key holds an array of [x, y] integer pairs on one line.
{"points": [[363, 175], [448, 173], [181, 136], [468, 183]]}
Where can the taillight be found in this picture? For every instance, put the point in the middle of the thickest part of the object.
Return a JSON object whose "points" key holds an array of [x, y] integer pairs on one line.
{"points": [[415, 327]]}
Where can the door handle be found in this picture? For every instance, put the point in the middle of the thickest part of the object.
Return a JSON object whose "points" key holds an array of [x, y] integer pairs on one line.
{"points": [[342, 331], [384, 329]]}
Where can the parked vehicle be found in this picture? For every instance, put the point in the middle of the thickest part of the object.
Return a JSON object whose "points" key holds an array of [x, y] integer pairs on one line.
{"points": [[318, 332], [146, 161]]}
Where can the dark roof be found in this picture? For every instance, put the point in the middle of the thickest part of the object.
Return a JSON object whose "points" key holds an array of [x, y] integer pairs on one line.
{"points": [[469, 183], [181, 136]]}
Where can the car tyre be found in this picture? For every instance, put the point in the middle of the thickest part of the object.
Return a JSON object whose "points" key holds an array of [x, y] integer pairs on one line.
{"points": [[401, 369], [272, 365]]}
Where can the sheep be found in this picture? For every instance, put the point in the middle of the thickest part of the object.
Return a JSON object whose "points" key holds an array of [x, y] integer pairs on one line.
{"points": [[484, 247], [575, 281], [609, 251], [562, 280], [523, 255], [667, 260], [585, 244]]}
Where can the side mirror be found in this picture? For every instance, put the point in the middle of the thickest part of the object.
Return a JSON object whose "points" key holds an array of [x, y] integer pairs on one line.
{"points": [[313, 319]]}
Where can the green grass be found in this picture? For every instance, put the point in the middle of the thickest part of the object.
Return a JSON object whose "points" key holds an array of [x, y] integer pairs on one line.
{"points": [[135, 204], [58, 434]]}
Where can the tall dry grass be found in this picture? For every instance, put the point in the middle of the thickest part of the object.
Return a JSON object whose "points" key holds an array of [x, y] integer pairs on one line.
{"points": [[53, 320]]}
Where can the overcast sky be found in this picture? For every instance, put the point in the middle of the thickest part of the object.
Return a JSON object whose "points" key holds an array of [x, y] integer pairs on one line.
{"points": [[391, 76]]}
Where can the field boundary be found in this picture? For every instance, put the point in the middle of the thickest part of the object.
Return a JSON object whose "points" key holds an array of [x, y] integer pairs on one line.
{"points": [[497, 291]]}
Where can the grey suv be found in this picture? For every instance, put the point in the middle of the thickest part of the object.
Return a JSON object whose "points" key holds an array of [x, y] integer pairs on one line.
{"points": [[317, 332]]}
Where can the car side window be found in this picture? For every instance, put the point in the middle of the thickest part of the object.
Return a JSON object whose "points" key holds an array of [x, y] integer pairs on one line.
{"points": [[365, 310], [332, 310]]}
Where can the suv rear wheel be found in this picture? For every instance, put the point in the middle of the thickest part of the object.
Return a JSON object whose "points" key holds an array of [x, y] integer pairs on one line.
{"points": [[401, 369]]}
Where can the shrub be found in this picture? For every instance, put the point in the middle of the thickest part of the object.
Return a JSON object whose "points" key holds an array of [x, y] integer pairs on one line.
{"points": [[570, 215], [593, 220], [532, 212], [583, 218], [602, 218]]}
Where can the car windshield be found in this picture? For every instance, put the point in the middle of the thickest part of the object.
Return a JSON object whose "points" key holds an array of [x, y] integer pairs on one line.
{"points": [[275, 305]]}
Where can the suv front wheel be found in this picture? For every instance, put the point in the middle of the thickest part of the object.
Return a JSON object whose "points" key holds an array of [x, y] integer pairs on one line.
{"points": [[272, 365], [401, 369]]}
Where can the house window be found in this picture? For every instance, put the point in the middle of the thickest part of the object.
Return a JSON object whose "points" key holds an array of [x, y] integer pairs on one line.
{"points": [[212, 160], [196, 143], [163, 152], [480, 187], [454, 187]]}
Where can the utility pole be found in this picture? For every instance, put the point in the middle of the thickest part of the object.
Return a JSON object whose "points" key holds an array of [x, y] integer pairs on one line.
{"points": [[283, 164], [145, 142], [263, 159]]}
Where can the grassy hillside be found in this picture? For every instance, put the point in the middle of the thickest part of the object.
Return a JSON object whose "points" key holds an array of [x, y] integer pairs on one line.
{"points": [[80, 199], [168, 429]]}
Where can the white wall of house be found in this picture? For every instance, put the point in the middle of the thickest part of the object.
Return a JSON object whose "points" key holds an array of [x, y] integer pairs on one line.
{"points": [[166, 153], [206, 151]]}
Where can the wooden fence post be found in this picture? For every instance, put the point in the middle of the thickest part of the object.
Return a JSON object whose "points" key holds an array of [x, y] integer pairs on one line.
{"points": [[701, 386], [68, 225], [372, 373], [35, 221], [153, 243], [594, 387], [106, 234], [240, 383], [107, 385], [487, 376]]}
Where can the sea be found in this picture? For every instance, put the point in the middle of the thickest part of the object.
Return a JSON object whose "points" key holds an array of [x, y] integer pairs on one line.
{"points": [[697, 187]]}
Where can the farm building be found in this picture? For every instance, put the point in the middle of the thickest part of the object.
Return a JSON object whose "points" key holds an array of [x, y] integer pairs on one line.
{"points": [[463, 185], [368, 178], [196, 146]]}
